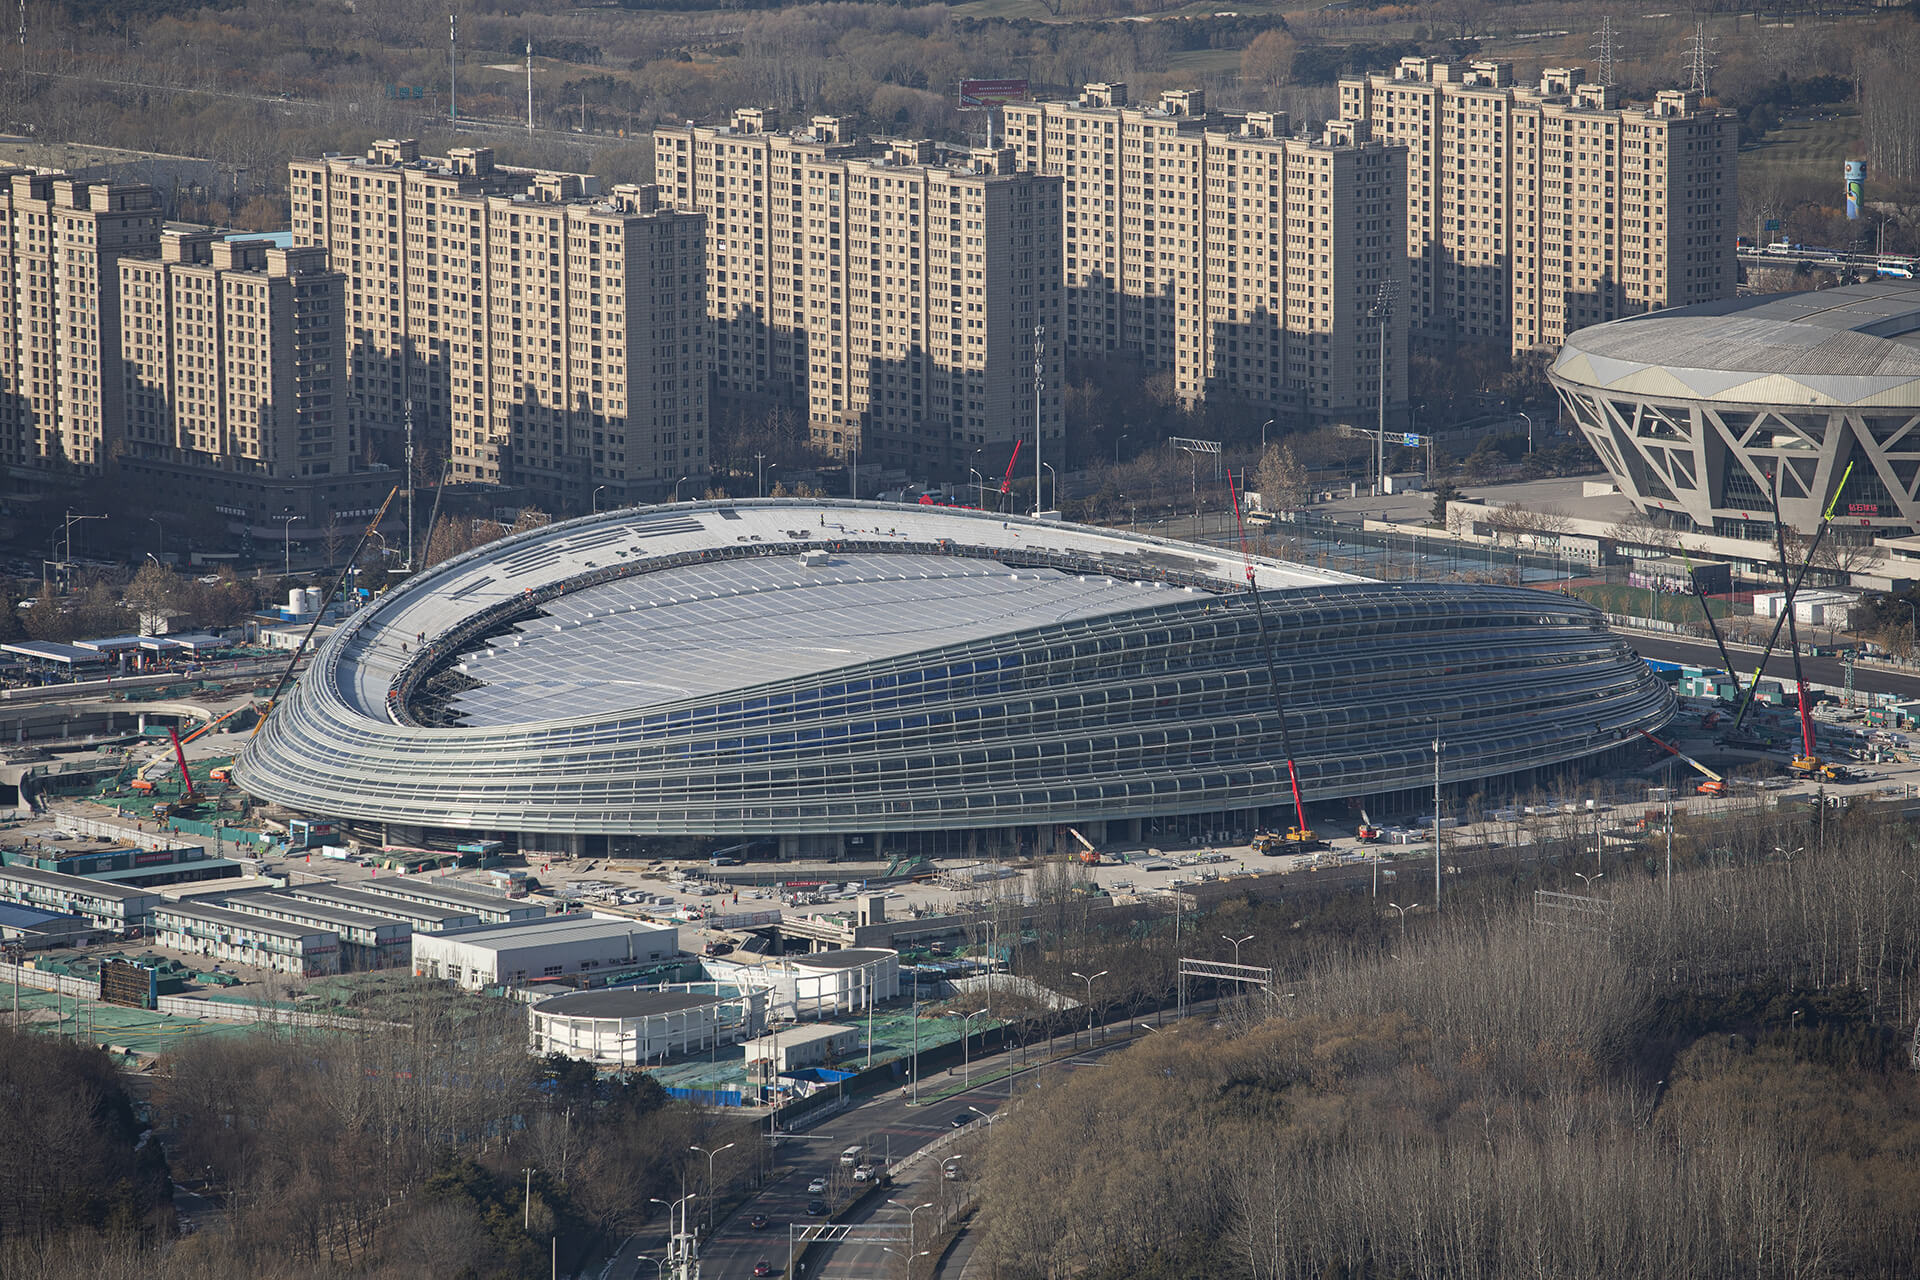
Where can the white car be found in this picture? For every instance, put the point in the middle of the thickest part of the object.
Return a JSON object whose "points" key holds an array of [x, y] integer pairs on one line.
{"points": [[817, 1187]]}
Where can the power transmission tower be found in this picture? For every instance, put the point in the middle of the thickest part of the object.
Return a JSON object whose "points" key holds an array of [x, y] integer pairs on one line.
{"points": [[1700, 62], [1605, 51]]}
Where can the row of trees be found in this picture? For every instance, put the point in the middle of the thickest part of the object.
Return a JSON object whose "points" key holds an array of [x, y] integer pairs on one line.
{"points": [[1710, 1080], [428, 1145], [106, 604]]}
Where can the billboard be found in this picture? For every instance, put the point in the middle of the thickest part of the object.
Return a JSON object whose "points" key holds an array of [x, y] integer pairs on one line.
{"points": [[136, 986], [981, 95], [1856, 188]]}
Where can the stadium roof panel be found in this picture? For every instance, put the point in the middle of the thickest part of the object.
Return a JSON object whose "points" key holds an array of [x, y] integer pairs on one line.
{"points": [[1847, 345], [830, 667], [693, 631]]}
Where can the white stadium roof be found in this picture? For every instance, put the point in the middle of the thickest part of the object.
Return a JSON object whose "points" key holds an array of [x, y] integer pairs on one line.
{"points": [[1856, 345]]}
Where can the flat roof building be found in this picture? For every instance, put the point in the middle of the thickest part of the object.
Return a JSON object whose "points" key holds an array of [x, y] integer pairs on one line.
{"points": [[510, 955], [109, 906], [242, 938], [367, 941], [433, 891], [420, 916], [795, 1048]]}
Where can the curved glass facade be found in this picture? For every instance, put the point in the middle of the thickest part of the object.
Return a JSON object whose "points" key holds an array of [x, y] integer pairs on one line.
{"points": [[1157, 705]]}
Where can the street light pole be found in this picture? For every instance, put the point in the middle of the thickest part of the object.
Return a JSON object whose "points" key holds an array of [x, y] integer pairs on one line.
{"points": [[66, 562], [760, 471], [1039, 385], [1089, 980], [1263, 436], [966, 1048], [1116, 448], [596, 498], [710, 1196], [286, 554], [1403, 918], [1055, 477], [1236, 945], [1529, 419]]}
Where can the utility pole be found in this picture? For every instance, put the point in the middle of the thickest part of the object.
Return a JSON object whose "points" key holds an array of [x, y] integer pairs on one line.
{"points": [[1039, 385], [453, 68], [1383, 312], [529, 83], [409, 485], [1438, 746]]}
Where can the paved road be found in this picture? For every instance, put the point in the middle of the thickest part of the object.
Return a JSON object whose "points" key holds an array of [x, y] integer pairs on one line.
{"points": [[888, 1124], [1779, 666], [923, 1184]]}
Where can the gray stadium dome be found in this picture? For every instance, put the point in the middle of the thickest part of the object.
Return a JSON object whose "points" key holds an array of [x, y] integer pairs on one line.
{"points": [[913, 677], [1693, 409]]}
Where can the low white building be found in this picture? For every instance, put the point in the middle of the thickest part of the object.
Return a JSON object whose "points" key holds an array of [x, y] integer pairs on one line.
{"points": [[631, 1026], [1811, 608], [517, 952], [819, 984], [794, 1048], [204, 930], [98, 902]]}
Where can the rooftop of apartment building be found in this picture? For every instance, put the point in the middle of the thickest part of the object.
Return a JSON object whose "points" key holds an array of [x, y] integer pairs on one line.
{"points": [[538, 186], [834, 136], [1187, 110], [1561, 85]]}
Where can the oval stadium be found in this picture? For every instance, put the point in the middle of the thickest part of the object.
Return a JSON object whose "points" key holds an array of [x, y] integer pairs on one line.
{"points": [[914, 679], [1693, 409]]}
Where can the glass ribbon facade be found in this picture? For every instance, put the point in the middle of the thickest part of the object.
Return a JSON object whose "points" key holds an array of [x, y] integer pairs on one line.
{"points": [[1150, 699]]}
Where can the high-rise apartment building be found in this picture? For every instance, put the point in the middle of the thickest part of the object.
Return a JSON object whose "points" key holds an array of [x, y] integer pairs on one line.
{"points": [[1536, 210], [369, 214], [196, 365], [233, 358], [548, 334], [61, 240], [889, 290], [1238, 259]]}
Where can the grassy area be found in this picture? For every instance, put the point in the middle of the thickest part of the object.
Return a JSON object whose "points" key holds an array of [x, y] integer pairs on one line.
{"points": [[1639, 602], [1803, 150]]}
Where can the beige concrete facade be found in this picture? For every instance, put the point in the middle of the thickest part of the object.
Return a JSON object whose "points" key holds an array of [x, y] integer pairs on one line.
{"points": [[61, 240], [887, 290], [547, 333], [234, 357], [1535, 210], [1238, 259]]}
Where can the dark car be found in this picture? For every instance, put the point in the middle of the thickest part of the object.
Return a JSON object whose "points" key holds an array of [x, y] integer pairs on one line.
{"points": [[964, 1119], [817, 1208], [758, 1222]]}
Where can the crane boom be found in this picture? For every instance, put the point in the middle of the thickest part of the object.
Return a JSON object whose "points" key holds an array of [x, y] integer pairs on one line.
{"points": [[1670, 749], [1793, 631], [180, 755], [1706, 609], [1006, 481], [338, 582], [1303, 836], [1753, 685]]}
